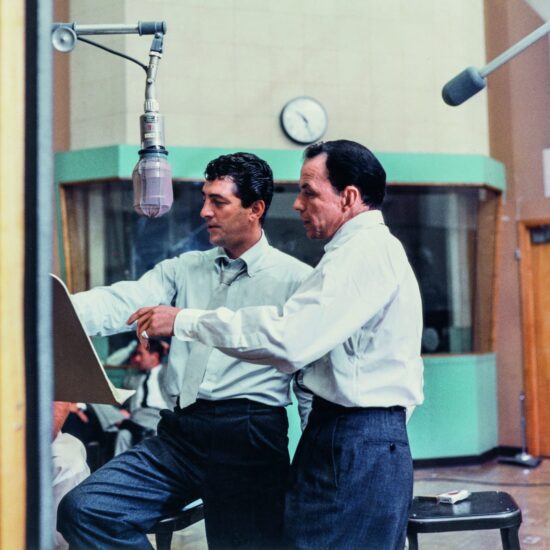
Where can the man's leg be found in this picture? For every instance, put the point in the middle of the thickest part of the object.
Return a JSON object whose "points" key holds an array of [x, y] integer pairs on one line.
{"points": [[119, 503], [246, 478], [352, 482]]}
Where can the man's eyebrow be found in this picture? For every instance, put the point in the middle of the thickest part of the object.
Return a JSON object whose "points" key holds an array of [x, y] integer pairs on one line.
{"points": [[214, 196]]}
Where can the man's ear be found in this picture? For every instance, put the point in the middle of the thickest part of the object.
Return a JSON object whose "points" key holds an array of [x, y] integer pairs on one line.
{"points": [[350, 197], [257, 209]]}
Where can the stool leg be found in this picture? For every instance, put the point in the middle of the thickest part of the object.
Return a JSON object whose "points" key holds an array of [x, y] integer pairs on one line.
{"points": [[163, 540], [413, 541], [510, 538]]}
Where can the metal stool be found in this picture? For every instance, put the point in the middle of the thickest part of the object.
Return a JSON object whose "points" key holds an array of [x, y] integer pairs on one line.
{"points": [[164, 529], [482, 510]]}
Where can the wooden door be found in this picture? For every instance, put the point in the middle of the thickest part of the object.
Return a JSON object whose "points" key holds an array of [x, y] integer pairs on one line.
{"points": [[536, 323]]}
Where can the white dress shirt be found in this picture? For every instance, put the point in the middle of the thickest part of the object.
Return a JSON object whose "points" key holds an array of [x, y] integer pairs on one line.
{"points": [[69, 469], [358, 314], [154, 394], [188, 281]]}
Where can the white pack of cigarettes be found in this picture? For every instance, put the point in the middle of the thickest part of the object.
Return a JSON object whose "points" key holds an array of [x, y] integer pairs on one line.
{"points": [[453, 497]]}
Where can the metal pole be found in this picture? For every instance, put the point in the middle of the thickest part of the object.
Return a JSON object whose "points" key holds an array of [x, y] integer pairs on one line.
{"points": [[106, 29], [141, 28], [38, 264], [515, 49]]}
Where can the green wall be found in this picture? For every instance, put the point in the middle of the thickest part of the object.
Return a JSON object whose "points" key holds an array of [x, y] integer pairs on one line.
{"points": [[118, 161], [459, 414]]}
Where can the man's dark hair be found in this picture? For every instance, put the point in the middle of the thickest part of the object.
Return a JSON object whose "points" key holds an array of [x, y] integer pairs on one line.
{"points": [[252, 176], [156, 346], [350, 163]]}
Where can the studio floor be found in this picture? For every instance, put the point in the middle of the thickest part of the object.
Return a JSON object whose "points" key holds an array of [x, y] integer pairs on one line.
{"points": [[529, 487]]}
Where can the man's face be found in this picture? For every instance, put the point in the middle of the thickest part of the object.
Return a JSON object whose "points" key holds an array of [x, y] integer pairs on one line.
{"points": [[229, 224], [318, 203], [143, 360]]}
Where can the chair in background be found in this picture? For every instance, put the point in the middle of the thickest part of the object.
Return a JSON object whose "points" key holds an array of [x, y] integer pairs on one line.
{"points": [[164, 529]]}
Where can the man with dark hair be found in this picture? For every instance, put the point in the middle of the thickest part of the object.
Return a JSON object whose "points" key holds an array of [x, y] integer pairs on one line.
{"points": [[226, 439], [146, 377], [359, 315], [252, 181]]}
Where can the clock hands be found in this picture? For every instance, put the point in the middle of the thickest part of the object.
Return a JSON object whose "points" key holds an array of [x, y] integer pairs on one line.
{"points": [[304, 118]]}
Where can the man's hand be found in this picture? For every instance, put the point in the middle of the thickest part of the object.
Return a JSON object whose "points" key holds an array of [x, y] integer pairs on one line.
{"points": [[74, 408], [154, 321]]}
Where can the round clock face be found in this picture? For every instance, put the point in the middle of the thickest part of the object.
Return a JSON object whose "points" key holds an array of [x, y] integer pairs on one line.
{"points": [[304, 120]]}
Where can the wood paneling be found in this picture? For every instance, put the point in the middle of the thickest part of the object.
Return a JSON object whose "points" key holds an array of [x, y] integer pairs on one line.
{"points": [[540, 262], [12, 364], [485, 275], [519, 104], [540, 266], [535, 277]]}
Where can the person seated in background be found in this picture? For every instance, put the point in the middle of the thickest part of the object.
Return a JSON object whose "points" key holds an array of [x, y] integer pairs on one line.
{"points": [[145, 405], [69, 462], [115, 428]]}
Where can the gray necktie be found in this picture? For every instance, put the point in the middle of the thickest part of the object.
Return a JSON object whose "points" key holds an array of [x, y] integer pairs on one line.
{"points": [[200, 353]]}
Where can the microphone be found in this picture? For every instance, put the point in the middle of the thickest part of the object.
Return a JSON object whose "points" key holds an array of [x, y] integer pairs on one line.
{"points": [[152, 175], [471, 80]]}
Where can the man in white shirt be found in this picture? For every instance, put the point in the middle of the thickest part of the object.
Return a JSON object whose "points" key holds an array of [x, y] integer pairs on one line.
{"points": [[226, 440], [68, 462], [359, 315], [145, 405]]}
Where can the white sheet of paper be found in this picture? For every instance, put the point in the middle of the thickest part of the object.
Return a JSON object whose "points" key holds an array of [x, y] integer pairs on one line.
{"points": [[79, 374]]}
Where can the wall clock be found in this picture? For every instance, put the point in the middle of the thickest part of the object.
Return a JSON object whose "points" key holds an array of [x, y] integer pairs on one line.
{"points": [[304, 120]]}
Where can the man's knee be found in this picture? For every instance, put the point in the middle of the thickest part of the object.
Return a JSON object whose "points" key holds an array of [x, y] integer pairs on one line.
{"points": [[69, 510]]}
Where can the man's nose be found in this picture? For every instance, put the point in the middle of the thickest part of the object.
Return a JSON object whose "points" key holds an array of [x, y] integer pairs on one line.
{"points": [[298, 204], [206, 211]]}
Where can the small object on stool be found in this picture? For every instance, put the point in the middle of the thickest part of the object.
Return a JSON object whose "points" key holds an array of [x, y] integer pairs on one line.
{"points": [[482, 510], [452, 497]]}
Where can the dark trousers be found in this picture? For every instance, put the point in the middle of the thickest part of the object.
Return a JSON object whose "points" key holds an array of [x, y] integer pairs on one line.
{"points": [[351, 480], [232, 454]]}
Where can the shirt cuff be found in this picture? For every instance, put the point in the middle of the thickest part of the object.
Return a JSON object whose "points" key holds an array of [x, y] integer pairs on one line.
{"points": [[185, 324]]}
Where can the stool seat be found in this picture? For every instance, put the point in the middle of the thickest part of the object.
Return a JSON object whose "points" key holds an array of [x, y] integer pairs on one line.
{"points": [[482, 510], [163, 530]]}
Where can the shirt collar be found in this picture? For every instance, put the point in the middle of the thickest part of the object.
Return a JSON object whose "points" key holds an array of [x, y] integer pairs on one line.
{"points": [[365, 220], [252, 257]]}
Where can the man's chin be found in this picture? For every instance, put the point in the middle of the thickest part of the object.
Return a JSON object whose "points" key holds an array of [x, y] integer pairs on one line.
{"points": [[214, 238], [310, 232]]}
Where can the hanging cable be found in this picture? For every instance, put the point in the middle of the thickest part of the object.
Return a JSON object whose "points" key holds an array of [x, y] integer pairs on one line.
{"points": [[102, 47]]}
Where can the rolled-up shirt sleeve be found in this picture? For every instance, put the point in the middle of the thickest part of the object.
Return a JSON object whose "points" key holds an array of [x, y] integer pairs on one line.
{"points": [[333, 302]]}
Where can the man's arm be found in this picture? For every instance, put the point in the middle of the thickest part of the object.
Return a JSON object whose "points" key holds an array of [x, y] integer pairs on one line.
{"points": [[305, 402], [334, 302], [104, 310]]}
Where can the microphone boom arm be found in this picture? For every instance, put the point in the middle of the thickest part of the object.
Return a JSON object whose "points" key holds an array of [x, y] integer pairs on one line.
{"points": [[471, 80]]}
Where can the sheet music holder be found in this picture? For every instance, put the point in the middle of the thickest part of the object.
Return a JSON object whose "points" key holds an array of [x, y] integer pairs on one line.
{"points": [[79, 375]]}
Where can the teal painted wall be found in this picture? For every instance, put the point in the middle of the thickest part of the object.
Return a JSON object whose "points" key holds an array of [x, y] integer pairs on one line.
{"points": [[459, 414], [118, 161], [294, 427]]}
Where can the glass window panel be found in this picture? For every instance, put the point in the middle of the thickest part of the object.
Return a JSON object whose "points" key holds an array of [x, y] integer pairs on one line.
{"points": [[106, 241], [438, 227]]}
